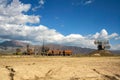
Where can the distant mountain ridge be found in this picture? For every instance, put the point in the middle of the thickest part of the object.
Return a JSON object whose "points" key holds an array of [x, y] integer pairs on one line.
{"points": [[13, 43]]}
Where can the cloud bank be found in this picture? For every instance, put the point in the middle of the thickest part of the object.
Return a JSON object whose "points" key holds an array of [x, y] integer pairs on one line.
{"points": [[103, 35], [13, 26]]}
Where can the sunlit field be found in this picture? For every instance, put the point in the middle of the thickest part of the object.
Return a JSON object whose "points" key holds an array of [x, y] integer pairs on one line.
{"points": [[59, 68]]}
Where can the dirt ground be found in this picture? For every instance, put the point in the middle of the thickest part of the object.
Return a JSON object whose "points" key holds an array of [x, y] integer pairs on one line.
{"points": [[59, 68]]}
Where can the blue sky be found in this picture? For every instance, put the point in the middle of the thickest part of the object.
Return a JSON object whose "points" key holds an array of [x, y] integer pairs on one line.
{"points": [[70, 22], [77, 17]]}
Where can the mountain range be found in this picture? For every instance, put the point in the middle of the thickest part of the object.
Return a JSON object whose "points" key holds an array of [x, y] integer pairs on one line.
{"points": [[12, 43], [75, 49]]}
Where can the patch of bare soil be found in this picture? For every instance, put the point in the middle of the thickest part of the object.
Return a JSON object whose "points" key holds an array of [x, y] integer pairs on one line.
{"points": [[59, 68]]}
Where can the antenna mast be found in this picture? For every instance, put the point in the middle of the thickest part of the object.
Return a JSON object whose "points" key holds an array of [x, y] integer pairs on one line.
{"points": [[102, 44], [43, 47]]}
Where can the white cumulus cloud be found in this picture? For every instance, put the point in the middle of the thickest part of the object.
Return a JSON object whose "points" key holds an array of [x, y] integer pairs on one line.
{"points": [[103, 35], [13, 13], [35, 34], [41, 3], [86, 2]]}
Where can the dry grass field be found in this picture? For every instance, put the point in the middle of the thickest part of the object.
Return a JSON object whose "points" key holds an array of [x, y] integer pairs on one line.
{"points": [[59, 68]]}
